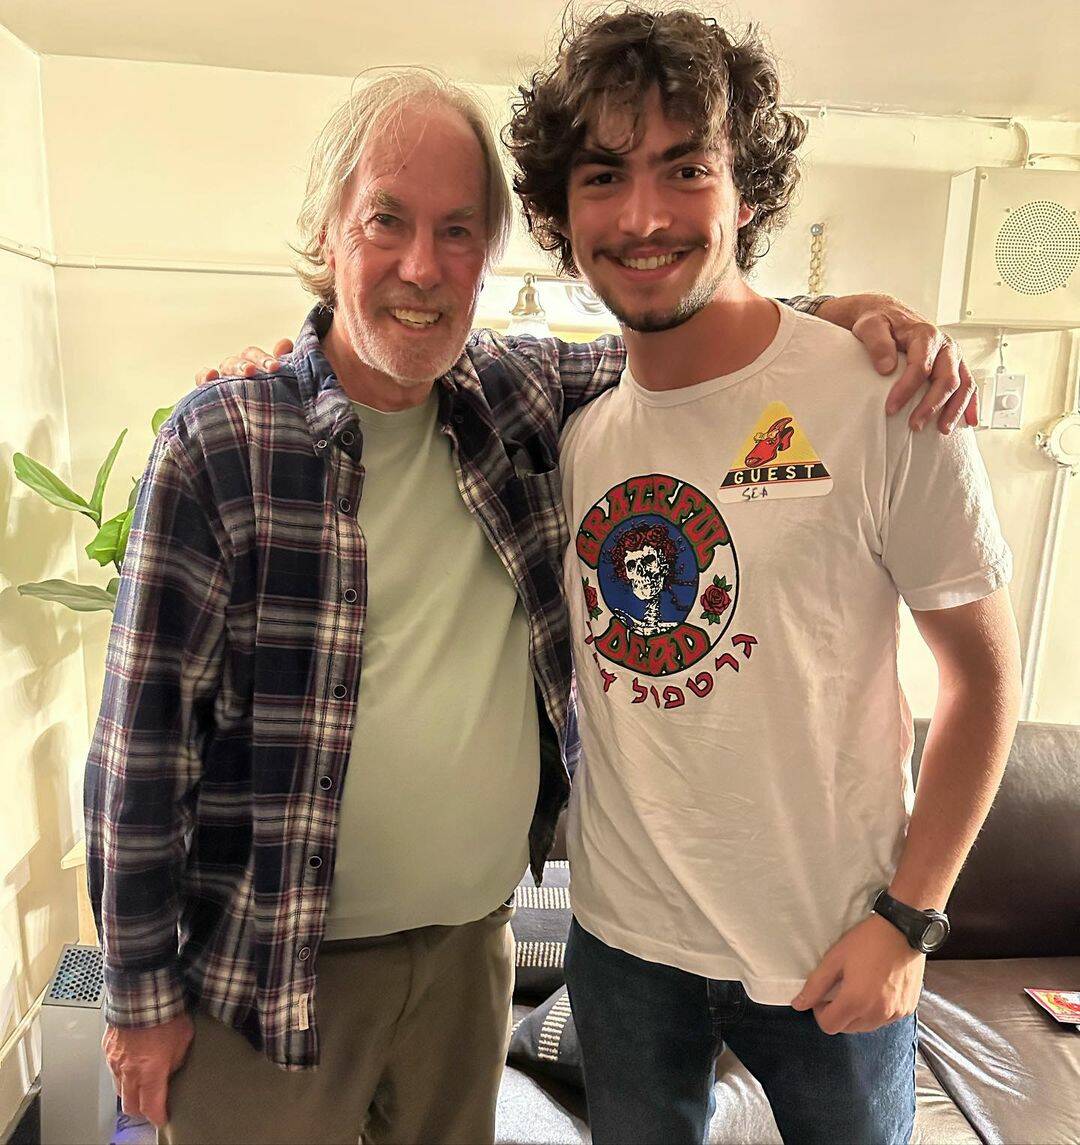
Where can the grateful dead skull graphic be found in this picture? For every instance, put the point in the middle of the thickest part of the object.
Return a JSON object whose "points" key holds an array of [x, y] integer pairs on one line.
{"points": [[667, 576]]}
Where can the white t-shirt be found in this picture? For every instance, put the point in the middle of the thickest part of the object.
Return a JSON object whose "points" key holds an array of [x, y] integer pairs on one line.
{"points": [[738, 550]]}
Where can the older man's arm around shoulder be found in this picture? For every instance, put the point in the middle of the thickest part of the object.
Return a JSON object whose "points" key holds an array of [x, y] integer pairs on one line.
{"points": [[162, 672]]}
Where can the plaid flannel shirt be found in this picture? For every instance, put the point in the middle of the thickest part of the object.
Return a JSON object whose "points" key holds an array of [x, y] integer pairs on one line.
{"points": [[214, 777]]}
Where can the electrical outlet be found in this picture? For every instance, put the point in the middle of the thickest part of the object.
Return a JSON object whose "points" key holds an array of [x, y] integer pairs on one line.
{"points": [[1008, 401]]}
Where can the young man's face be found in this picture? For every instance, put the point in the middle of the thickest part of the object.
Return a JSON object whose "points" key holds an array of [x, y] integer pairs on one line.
{"points": [[653, 228], [409, 249]]}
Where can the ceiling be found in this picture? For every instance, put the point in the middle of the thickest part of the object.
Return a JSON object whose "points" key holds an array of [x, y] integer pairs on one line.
{"points": [[944, 57]]}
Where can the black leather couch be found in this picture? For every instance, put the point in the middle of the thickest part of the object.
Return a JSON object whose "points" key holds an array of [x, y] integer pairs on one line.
{"points": [[992, 1067]]}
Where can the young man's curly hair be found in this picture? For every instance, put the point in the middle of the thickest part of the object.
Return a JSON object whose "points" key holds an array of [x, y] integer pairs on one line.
{"points": [[705, 76]]}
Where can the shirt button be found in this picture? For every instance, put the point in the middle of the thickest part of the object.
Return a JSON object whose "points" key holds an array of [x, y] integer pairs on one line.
{"points": [[325, 782], [344, 504], [340, 691], [349, 596], [315, 862], [348, 437], [321, 443], [304, 953]]}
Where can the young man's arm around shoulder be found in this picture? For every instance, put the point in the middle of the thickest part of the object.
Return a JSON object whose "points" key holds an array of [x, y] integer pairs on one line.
{"points": [[162, 674], [871, 976]]}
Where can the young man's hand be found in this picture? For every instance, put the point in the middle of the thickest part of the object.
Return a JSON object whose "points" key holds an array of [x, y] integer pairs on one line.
{"points": [[885, 325], [869, 978], [251, 361], [143, 1060]]}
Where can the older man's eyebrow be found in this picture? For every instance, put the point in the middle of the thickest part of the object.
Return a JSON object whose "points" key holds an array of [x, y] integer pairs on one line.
{"points": [[383, 200]]}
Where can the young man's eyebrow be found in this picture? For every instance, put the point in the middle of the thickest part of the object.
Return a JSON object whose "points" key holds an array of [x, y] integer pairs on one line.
{"points": [[598, 156], [602, 157], [687, 147]]}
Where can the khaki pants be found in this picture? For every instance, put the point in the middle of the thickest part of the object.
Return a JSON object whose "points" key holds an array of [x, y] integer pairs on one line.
{"points": [[413, 1032]]}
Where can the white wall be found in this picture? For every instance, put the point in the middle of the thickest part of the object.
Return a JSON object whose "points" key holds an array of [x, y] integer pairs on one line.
{"points": [[42, 691]]}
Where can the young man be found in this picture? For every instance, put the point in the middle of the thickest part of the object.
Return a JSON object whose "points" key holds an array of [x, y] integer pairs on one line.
{"points": [[744, 792]]}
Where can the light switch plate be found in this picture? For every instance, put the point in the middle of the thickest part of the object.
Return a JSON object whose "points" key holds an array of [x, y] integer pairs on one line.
{"points": [[1008, 401], [984, 383]]}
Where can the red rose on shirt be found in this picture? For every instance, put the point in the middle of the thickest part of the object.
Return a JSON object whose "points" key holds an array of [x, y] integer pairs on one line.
{"points": [[592, 600], [715, 600]]}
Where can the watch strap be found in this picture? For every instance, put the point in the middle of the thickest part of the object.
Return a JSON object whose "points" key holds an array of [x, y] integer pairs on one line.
{"points": [[911, 921]]}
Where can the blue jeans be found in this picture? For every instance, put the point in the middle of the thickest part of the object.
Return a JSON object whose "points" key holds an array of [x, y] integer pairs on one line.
{"points": [[650, 1034]]}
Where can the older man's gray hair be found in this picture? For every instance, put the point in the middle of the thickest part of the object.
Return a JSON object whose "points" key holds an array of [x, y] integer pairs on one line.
{"points": [[372, 111]]}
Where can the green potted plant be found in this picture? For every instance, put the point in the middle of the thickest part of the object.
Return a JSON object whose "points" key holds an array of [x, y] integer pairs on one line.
{"points": [[110, 541]]}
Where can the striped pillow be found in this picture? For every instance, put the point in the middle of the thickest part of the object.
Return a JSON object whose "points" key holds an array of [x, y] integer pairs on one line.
{"points": [[546, 1042], [541, 923]]}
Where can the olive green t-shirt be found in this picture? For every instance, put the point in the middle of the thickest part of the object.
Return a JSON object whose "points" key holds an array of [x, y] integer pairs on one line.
{"points": [[443, 774]]}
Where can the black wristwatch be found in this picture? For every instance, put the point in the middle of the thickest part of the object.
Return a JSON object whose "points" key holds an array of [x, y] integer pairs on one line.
{"points": [[925, 930]]}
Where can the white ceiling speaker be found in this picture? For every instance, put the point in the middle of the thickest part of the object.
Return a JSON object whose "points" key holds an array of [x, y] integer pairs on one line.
{"points": [[1012, 250]]}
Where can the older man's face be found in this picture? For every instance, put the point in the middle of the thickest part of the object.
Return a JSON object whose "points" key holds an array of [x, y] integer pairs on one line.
{"points": [[408, 252]]}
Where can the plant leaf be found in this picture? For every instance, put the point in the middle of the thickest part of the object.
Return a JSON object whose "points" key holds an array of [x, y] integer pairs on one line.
{"points": [[125, 532], [113, 587], [78, 597], [46, 484], [161, 416], [133, 496], [98, 495], [103, 547]]}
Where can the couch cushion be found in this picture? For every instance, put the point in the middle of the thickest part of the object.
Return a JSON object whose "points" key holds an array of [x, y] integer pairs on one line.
{"points": [[937, 1119], [1013, 1071], [538, 1111], [1018, 895]]}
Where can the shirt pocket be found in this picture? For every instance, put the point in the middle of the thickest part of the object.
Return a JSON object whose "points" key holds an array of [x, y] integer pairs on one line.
{"points": [[534, 502]]}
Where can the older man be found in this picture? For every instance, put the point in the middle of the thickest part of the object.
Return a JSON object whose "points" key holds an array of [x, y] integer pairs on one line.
{"points": [[383, 511]]}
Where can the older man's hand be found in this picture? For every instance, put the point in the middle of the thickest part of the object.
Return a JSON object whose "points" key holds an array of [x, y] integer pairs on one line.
{"points": [[143, 1060], [252, 361], [885, 325]]}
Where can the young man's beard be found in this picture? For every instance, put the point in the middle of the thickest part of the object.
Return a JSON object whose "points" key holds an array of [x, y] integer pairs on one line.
{"points": [[656, 321]]}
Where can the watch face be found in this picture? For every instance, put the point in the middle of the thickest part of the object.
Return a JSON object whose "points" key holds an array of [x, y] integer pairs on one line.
{"points": [[934, 935]]}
